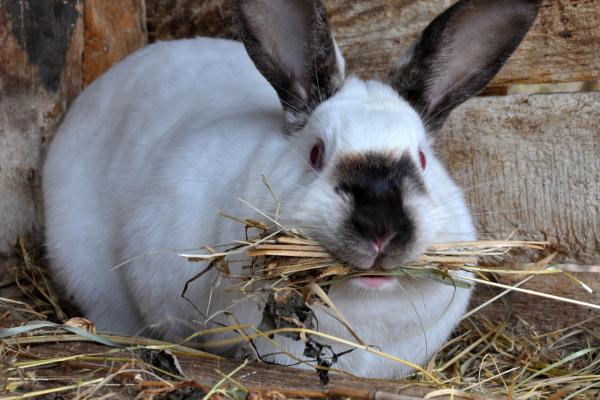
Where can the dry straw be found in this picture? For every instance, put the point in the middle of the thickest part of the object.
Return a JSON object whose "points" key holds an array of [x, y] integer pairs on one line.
{"points": [[284, 258]]}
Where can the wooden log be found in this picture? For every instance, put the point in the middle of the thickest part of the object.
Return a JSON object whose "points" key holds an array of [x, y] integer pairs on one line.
{"points": [[563, 45], [50, 50], [258, 376], [530, 167]]}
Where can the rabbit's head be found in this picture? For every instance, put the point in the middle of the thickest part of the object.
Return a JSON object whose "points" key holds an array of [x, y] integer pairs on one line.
{"points": [[374, 193]]}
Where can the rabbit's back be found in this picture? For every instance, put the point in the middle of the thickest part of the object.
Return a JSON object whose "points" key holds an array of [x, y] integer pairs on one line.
{"points": [[126, 162]]}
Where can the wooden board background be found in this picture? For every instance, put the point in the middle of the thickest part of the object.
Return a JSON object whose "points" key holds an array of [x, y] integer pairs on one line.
{"points": [[40, 74], [530, 168], [563, 45], [49, 51]]}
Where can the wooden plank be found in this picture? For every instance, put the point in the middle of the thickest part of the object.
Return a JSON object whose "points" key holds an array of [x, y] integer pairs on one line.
{"points": [[40, 73], [530, 167], [113, 29], [563, 45], [542, 314], [49, 51]]}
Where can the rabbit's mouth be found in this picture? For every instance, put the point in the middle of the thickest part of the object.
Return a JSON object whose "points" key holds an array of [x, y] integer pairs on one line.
{"points": [[373, 281]]}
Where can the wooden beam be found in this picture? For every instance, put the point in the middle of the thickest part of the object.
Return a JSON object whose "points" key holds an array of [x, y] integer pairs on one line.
{"points": [[542, 314], [530, 169], [563, 45], [257, 376]]}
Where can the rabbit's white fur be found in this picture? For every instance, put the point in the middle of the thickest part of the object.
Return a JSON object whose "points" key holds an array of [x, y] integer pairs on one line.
{"points": [[151, 150]]}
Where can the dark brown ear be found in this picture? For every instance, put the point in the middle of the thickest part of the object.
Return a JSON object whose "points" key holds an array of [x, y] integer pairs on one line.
{"points": [[459, 53], [292, 46]]}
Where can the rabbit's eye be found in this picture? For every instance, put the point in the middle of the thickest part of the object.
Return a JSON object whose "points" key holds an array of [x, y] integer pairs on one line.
{"points": [[317, 155], [422, 159]]}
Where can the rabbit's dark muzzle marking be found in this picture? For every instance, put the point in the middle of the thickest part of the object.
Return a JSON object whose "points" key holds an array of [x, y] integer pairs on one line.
{"points": [[377, 184]]}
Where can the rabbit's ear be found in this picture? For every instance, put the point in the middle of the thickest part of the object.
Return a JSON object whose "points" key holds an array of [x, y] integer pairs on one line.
{"points": [[291, 45], [459, 53]]}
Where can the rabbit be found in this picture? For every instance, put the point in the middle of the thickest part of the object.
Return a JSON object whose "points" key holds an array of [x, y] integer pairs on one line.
{"points": [[150, 151]]}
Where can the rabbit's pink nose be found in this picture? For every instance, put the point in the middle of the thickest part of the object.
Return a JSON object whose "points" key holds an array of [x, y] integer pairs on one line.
{"points": [[381, 242]]}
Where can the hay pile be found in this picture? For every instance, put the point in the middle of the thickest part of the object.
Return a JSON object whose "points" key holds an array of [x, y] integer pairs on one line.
{"points": [[483, 358]]}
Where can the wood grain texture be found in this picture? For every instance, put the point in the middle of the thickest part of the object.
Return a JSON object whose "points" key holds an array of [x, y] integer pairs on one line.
{"points": [[255, 375], [542, 314], [113, 30], [40, 74], [50, 50], [563, 46], [530, 167]]}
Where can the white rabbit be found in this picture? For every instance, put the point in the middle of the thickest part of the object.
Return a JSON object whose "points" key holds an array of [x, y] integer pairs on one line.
{"points": [[151, 150]]}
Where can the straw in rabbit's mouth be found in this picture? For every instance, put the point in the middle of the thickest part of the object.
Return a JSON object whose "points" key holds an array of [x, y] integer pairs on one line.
{"points": [[282, 257]]}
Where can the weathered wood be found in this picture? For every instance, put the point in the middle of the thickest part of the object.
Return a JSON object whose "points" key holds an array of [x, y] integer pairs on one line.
{"points": [[113, 29], [255, 375], [530, 167], [563, 45], [542, 314], [50, 49], [40, 73]]}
